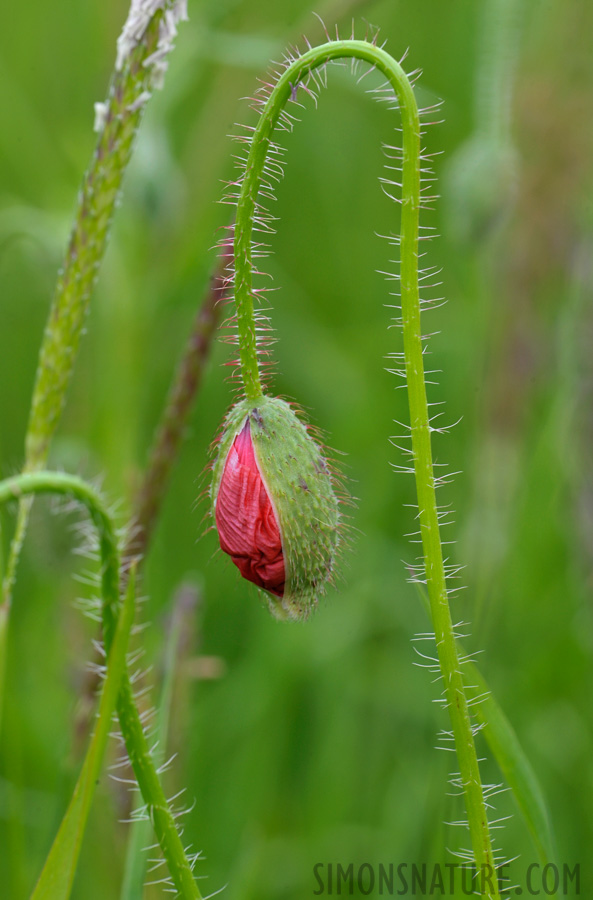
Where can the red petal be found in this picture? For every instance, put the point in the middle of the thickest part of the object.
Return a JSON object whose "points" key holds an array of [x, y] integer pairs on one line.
{"points": [[245, 519]]}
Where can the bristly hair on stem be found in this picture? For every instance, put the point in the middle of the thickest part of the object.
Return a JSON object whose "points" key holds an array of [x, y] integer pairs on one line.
{"points": [[262, 164], [142, 52], [131, 723], [167, 440]]}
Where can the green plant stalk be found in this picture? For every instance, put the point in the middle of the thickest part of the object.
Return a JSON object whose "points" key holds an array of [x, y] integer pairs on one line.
{"points": [[169, 434], [419, 418], [167, 441], [498, 51], [140, 833], [128, 93], [136, 745], [508, 753], [57, 876], [97, 199]]}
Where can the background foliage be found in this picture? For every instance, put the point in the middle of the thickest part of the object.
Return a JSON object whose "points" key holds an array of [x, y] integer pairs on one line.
{"points": [[312, 743]]}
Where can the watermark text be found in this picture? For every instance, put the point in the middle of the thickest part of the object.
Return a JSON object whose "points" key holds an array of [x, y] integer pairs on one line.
{"points": [[335, 879]]}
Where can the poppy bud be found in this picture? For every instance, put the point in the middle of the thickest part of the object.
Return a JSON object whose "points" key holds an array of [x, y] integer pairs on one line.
{"points": [[274, 505]]}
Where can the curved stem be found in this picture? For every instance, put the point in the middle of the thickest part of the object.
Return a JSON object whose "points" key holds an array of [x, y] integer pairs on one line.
{"points": [[141, 54], [136, 745], [247, 209]]}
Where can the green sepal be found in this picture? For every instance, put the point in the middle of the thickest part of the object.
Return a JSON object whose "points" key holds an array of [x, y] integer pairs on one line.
{"points": [[297, 478]]}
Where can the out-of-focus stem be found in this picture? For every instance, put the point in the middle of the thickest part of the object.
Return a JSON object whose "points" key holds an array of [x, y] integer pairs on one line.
{"points": [[120, 117], [169, 434]]}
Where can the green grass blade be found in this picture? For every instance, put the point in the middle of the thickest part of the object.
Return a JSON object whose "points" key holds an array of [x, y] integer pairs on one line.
{"points": [[510, 757], [514, 765], [56, 879]]}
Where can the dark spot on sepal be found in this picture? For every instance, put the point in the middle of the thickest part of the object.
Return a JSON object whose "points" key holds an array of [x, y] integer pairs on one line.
{"points": [[257, 418]]}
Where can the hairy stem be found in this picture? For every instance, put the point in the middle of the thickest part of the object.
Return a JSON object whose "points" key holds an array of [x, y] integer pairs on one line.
{"points": [[247, 209], [128, 94], [168, 437], [182, 617], [133, 733]]}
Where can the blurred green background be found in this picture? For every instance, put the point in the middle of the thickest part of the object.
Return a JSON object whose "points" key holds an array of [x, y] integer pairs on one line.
{"points": [[313, 743]]}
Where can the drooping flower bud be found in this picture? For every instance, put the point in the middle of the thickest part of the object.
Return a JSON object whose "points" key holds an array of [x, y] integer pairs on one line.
{"points": [[274, 505], [245, 518]]}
